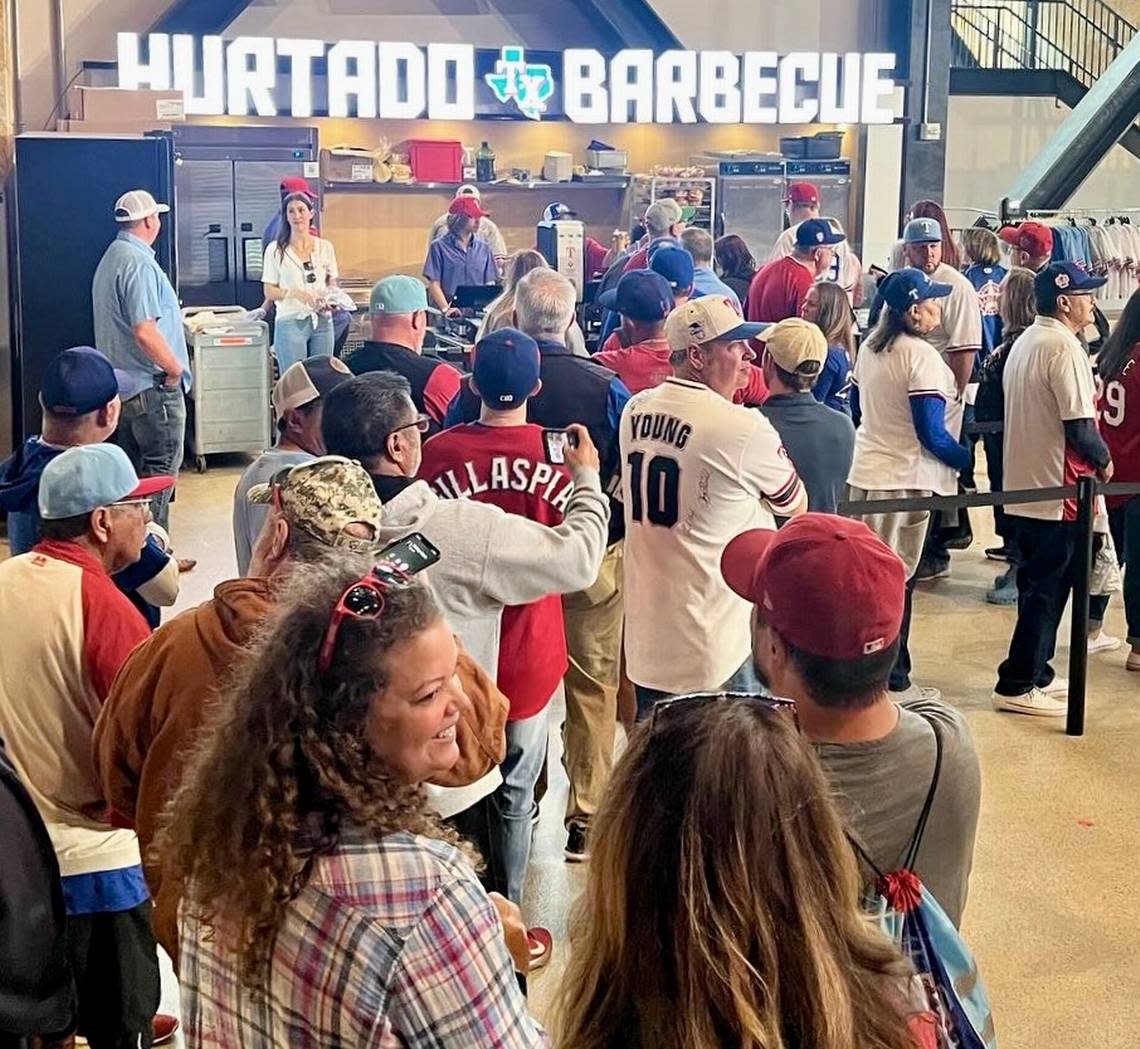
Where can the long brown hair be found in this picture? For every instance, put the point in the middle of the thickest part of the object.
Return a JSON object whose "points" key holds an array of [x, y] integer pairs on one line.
{"points": [[1017, 303], [1120, 346], [721, 903], [285, 231], [283, 762], [835, 318]]}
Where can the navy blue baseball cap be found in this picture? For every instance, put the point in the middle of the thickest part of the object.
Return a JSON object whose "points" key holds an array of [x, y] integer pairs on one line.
{"points": [[675, 265], [818, 233], [557, 211], [904, 288], [1066, 278], [641, 295], [657, 243], [81, 380], [506, 368]]}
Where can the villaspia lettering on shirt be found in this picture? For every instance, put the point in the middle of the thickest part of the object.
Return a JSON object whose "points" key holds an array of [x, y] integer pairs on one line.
{"points": [[501, 474]]}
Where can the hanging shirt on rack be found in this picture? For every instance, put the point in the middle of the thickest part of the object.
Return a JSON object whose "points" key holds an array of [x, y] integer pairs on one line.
{"points": [[987, 283]]}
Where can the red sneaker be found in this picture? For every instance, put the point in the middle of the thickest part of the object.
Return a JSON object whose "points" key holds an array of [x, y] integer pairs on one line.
{"points": [[541, 945], [164, 1028]]}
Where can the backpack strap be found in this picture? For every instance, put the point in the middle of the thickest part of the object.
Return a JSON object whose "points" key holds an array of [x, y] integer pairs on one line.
{"points": [[920, 829]]}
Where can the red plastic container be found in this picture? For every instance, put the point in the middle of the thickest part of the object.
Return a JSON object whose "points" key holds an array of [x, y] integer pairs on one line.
{"points": [[435, 160]]}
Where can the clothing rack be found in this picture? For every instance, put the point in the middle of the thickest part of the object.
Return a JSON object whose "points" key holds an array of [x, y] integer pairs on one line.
{"points": [[1081, 213]]}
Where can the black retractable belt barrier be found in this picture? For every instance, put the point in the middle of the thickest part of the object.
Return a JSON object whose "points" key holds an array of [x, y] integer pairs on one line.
{"points": [[1084, 491]]}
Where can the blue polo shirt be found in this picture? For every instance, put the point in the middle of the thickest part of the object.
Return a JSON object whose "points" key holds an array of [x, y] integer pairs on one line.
{"points": [[130, 287], [708, 283], [455, 266]]}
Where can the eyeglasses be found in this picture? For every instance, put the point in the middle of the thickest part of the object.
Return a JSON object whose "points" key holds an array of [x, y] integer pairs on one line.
{"points": [[364, 599], [421, 422], [310, 273], [784, 706]]}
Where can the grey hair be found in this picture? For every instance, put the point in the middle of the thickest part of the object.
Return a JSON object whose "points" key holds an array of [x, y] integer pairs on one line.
{"points": [[544, 304], [698, 243], [361, 413]]}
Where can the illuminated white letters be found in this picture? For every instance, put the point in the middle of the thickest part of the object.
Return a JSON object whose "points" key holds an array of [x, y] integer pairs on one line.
{"points": [[256, 82], [212, 100], [444, 61], [631, 83], [676, 87], [877, 88], [720, 94], [134, 73], [793, 109], [585, 99], [360, 84], [759, 86], [301, 54], [832, 108], [412, 103]]}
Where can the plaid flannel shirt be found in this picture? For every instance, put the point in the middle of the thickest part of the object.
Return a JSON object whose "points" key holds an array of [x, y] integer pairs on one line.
{"points": [[390, 936]]}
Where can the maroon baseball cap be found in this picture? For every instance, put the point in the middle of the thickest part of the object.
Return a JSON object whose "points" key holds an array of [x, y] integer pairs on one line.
{"points": [[827, 584], [1031, 237], [802, 193], [468, 206]]}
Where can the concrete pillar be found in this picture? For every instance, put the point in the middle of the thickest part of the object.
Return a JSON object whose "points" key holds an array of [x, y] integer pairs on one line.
{"points": [[924, 159]]}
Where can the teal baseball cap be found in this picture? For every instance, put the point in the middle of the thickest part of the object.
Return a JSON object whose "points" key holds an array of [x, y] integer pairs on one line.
{"points": [[399, 294], [80, 480]]}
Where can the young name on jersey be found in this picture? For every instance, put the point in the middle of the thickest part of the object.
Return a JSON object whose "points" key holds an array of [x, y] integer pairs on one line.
{"points": [[500, 474], [657, 426]]}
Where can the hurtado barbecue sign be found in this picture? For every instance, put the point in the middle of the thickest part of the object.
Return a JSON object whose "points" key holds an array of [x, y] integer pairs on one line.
{"points": [[262, 76]]}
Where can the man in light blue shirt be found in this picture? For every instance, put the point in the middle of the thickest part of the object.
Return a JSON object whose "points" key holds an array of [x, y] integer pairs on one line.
{"points": [[698, 243], [138, 325]]}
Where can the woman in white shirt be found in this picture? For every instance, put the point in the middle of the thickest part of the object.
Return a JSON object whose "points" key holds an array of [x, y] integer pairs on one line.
{"points": [[298, 272]]}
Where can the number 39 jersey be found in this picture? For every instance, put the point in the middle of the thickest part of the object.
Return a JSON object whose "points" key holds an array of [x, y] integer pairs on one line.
{"points": [[1118, 409], [697, 471]]}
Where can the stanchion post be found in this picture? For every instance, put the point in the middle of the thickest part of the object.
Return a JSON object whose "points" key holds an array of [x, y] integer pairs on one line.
{"points": [[1082, 577]]}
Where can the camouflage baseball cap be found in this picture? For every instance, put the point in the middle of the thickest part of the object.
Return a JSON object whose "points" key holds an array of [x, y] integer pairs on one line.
{"points": [[323, 497]]}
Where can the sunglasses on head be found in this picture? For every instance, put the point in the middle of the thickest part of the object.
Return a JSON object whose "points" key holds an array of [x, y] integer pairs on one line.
{"points": [[363, 599], [783, 706]]}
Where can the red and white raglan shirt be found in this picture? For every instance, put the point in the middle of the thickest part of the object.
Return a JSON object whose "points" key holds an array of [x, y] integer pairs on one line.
{"points": [[67, 630], [506, 466], [1118, 409]]}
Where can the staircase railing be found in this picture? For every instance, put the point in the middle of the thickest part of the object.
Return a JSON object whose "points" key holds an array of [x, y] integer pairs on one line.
{"points": [[1079, 37]]}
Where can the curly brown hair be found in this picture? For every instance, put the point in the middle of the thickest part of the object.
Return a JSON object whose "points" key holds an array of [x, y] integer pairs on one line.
{"points": [[283, 763]]}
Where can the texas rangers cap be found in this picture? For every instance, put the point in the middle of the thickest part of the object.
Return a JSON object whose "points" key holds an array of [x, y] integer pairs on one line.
{"points": [[506, 368], [641, 295], [81, 380], [80, 480], [307, 380], [323, 497], [1066, 278], [802, 193], [675, 264], [1034, 238], [702, 320], [794, 575], [922, 231], [797, 346], [136, 205], [818, 233], [468, 206], [557, 211], [399, 294], [657, 243], [907, 287]]}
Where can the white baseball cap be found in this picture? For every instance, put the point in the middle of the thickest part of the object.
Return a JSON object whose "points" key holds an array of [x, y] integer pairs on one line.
{"points": [[702, 320], [136, 205], [468, 190]]}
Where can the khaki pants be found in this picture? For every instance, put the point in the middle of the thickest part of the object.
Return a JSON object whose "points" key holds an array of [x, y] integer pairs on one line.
{"points": [[905, 531], [593, 638]]}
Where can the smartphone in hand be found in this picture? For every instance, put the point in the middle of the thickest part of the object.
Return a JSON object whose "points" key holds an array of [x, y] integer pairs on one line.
{"points": [[556, 442]]}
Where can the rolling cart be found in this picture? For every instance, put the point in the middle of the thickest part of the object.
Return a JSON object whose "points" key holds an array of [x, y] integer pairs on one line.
{"points": [[233, 373]]}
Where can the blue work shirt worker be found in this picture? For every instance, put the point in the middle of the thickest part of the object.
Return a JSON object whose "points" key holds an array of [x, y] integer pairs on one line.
{"points": [[459, 258], [138, 325]]}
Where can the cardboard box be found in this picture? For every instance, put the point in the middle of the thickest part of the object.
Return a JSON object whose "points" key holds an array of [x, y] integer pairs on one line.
{"points": [[112, 127], [347, 164], [118, 105]]}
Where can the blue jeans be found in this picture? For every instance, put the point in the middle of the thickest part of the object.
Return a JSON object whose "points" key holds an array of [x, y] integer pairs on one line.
{"points": [[513, 803], [744, 680], [152, 431], [296, 340]]}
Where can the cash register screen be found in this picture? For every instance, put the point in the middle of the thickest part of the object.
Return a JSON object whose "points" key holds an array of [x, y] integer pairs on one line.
{"points": [[475, 296]]}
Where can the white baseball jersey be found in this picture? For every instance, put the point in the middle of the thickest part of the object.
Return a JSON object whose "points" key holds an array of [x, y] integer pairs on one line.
{"points": [[961, 327], [697, 471], [846, 270]]}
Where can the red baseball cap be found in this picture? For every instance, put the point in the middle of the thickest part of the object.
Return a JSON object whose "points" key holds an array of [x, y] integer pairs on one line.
{"points": [[468, 206], [802, 193], [828, 585], [1031, 237], [296, 184]]}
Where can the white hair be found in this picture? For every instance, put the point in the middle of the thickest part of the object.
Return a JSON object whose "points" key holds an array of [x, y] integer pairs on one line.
{"points": [[544, 304]]}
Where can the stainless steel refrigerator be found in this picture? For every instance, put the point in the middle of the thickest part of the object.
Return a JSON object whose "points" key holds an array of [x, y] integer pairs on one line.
{"points": [[226, 183], [750, 196], [833, 180]]}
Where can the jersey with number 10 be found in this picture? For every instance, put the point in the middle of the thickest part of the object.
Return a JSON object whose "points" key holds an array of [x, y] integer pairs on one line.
{"points": [[1118, 408], [697, 471]]}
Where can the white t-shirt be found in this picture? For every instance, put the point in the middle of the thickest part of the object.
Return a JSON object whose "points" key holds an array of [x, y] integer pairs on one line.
{"points": [[1048, 380], [846, 270], [697, 471], [888, 454], [961, 327], [287, 271]]}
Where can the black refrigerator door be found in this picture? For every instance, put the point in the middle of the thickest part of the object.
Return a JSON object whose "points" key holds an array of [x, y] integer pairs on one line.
{"points": [[62, 211]]}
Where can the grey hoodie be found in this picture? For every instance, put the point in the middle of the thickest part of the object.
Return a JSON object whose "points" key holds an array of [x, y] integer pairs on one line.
{"points": [[491, 558]]}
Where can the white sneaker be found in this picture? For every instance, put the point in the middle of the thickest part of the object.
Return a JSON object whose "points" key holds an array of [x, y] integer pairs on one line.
{"points": [[914, 693], [1104, 643], [1035, 702], [1059, 686]]}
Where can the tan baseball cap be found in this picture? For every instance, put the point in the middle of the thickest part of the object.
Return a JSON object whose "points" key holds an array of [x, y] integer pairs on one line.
{"points": [[797, 346], [136, 205], [323, 497], [705, 319], [307, 380]]}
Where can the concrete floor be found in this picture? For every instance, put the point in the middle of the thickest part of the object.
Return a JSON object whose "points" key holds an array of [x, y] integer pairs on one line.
{"points": [[1054, 909]]}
